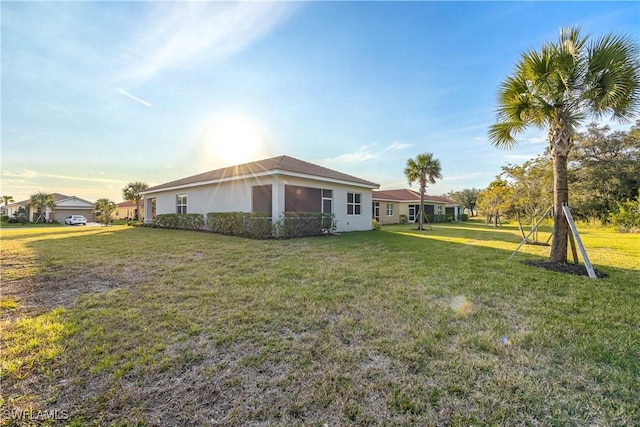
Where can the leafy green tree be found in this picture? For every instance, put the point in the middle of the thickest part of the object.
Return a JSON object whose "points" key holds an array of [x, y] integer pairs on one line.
{"points": [[604, 169], [467, 197], [20, 215], [558, 88], [41, 201], [496, 198], [531, 185], [106, 208], [132, 192], [626, 214], [423, 169]]}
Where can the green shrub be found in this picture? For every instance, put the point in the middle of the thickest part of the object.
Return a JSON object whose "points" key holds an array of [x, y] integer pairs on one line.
{"points": [[180, 221], [256, 225], [299, 224], [20, 216], [626, 215], [464, 217], [404, 219], [375, 225], [5, 218], [433, 218]]}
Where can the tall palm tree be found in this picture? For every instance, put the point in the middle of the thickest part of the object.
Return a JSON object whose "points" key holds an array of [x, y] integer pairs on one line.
{"points": [[131, 193], [41, 201], [6, 200], [423, 169], [560, 87]]}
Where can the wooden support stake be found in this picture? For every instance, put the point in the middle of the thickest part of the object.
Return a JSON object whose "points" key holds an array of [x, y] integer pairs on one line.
{"points": [[572, 241], [574, 230]]}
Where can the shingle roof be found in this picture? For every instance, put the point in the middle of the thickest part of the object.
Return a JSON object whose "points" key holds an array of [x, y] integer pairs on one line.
{"points": [[56, 198], [408, 195], [282, 164], [127, 204]]}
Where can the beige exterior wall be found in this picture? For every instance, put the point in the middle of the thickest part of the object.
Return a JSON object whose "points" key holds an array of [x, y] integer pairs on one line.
{"points": [[128, 212], [384, 218]]}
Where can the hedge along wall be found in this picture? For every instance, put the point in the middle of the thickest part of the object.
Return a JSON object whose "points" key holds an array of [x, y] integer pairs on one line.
{"points": [[258, 225], [255, 225], [297, 224], [180, 221]]}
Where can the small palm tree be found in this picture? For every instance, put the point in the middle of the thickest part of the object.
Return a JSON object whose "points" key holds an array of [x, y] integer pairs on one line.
{"points": [[559, 88], [132, 192], [41, 201], [423, 169], [106, 208], [7, 200]]}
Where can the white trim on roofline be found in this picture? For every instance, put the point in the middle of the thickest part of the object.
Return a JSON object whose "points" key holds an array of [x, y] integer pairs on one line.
{"points": [[426, 199], [255, 175]]}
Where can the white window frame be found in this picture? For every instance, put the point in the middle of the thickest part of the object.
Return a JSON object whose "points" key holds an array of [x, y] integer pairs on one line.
{"points": [[354, 203], [181, 203], [389, 209], [327, 195]]}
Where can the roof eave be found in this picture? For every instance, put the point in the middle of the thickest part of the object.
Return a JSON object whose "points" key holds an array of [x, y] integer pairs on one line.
{"points": [[370, 185]]}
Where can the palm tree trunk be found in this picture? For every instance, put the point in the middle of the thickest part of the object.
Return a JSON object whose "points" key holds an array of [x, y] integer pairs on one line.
{"points": [[560, 198], [421, 210]]}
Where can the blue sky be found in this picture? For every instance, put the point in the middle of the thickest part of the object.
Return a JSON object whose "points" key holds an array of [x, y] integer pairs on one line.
{"points": [[97, 94]]}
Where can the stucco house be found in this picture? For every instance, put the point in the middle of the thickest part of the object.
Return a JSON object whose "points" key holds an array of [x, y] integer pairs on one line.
{"points": [[388, 205], [64, 206], [275, 185], [127, 210]]}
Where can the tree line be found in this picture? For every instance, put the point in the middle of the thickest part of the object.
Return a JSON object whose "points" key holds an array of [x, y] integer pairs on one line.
{"points": [[603, 178]]}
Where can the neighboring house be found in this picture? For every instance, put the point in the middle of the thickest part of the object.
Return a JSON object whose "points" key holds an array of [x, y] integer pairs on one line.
{"points": [[275, 185], [127, 210], [388, 205], [65, 206]]}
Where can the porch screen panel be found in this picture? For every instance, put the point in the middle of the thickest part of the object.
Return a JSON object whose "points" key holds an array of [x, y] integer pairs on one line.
{"points": [[428, 209], [261, 199], [302, 199]]}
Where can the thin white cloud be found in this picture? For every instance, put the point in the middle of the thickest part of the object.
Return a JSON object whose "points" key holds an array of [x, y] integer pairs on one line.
{"points": [[533, 140], [519, 157], [182, 35], [469, 176], [135, 98], [32, 174], [365, 153], [22, 173]]}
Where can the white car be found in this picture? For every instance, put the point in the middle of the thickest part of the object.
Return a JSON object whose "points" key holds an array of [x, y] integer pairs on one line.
{"points": [[75, 219]]}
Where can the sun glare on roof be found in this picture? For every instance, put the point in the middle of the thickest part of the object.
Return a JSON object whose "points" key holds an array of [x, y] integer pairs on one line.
{"points": [[233, 140]]}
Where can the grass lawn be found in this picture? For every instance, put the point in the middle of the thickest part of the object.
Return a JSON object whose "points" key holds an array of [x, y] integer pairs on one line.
{"points": [[140, 326]]}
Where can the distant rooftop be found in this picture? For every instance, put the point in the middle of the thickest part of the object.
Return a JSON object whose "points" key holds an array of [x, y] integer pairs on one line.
{"points": [[408, 195]]}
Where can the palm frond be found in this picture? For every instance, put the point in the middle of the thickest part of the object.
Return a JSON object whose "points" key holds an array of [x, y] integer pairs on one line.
{"points": [[612, 81]]}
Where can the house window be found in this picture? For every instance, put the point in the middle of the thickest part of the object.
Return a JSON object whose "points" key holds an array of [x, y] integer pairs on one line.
{"points": [[181, 203], [439, 210], [413, 211], [302, 199], [261, 198], [389, 209], [327, 201], [376, 211], [354, 203]]}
